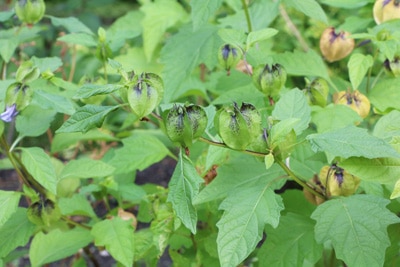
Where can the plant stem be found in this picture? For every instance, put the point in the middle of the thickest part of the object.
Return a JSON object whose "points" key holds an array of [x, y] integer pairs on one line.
{"points": [[293, 28], [247, 14], [297, 180], [70, 221], [370, 72], [73, 64]]}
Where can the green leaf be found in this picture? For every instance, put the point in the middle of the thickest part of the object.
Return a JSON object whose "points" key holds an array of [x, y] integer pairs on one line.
{"points": [[6, 15], [183, 187], [235, 173], [86, 118], [34, 121], [86, 168], [288, 246], [147, 151], [57, 245], [39, 165], [385, 95], [280, 130], [88, 90], [350, 4], [293, 104], [202, 11], [47, 63], [51, 101], [388, 126], [247, 210], [261, 35], [79, 38], [72, 24], [117, 236], [396, 190], [351, 142], [356, 226], [8, 204], [232, 36], [303, 63], [310, 8], [8, 47], [358, 66], [185, 51], [382, 170], [15, 232], [159, 16], [269, 160], [334, 117], [76, 205]]}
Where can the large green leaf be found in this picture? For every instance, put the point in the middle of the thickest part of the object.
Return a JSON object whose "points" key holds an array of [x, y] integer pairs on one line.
{"points": [[86, 168], [382, 170], [358, 66], [385, 95], [351, 142], [334, 117], [52, 101], [183, 52], [356, 227], [236, 173], [159, 16], [202, 11], [292, 243], [8, 204], [57, 245], [76, 205], [247, 210], [88, 90], [15, 232], [34, 121], [72, 24], [139, 152], [293, 105], [388, 126], [310, 8], [117, 236], [183, 187], [39, 165], [86, 118], [346, 3], [303, 63]]}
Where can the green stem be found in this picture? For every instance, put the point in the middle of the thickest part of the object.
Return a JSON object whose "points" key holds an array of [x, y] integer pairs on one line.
{"points": [[370, 72], [377, 78], [297, 180], [247, 14], [69, 221]]}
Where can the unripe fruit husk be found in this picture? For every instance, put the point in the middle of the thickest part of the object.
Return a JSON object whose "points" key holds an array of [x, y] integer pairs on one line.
{"points": [[385, 10], [30, 11], [229, 56], [44, 212], [355, 100], [19, 94], [317, 92], [335, 46], [393, 67], [338, 182], [269, 79]]}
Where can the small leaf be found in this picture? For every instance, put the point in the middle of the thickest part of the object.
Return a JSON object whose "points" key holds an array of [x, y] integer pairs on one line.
{"points": [[388, 126], [358, 66], [351, 142], [202, 11], [232, 36], [47, 63], [287, 245], [183, 187], [382, 170], [86, 118], [139, 152], [334, 117], [34, 121], [385, 95], [15, 232], [57, 244], [350, 4], [356, 226], [88, 90], [247, 210], [293, 104], [72, 24], [280, 130], [76, 205], [396, 190], [269, 160], [39, 165], [261, 35], [86, 168], [117, 236], [8, 204], [310, 8], [52, 101], [79, 38]]}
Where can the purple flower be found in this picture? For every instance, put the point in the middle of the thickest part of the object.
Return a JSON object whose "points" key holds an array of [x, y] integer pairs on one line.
{"points": [[9, 114]]}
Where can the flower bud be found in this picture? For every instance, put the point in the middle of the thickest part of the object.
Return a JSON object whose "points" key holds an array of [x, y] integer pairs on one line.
{"points": [[18, 94], [317, 92], [228, 56], [269, 79], [145, 93], [355, 100], [393, 66], [337, 181], [385, 10], [335, 46], [9, 114], [238, 127], [27, 72], [30, 11], [185, 124]]}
